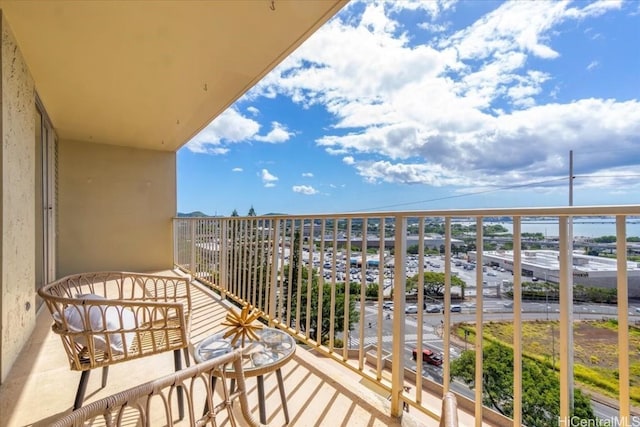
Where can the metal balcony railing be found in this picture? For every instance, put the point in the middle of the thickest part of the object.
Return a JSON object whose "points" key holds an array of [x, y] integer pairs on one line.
{"points": [[327, 278]]}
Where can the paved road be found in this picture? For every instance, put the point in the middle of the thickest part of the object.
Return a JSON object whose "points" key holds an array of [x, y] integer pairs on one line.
{"points": [[493, 309]]}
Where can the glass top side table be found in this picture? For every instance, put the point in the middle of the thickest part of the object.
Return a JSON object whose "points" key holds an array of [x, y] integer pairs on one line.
{"points": [[269, 353]]}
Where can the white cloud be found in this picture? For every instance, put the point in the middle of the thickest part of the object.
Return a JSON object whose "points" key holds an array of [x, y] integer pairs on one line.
{"points": [[304, 189], [267, 178], [431, 174], [596, 8], [464, 109], [592, 65], [278, 133], [230, 127], [253, 110], [434, 28], [307, 175], [236, 170]]}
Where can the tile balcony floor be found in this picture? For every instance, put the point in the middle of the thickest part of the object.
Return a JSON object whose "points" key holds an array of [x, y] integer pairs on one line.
{"points": [[40, 388]]}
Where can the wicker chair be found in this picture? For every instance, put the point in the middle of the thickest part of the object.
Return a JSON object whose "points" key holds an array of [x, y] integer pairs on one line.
{"points": [[151, 404], [112, 317], [449, 415]]}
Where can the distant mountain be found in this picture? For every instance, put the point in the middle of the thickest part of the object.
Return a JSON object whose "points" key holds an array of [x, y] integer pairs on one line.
{"points": [[191, 214]]}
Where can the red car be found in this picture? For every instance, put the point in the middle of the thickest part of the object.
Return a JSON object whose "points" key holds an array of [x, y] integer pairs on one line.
{"points": [[428, 356]]}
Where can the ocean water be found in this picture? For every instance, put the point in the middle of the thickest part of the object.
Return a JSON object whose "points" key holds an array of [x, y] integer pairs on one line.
{"points": [[586, 228]]}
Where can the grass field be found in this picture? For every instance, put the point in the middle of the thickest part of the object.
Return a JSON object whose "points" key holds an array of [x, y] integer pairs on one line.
{"points": [[595, 350]]}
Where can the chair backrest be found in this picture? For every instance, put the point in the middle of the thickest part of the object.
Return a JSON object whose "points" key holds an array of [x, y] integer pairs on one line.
{"points": [[110, 317], [449, 415], [154, 403]]}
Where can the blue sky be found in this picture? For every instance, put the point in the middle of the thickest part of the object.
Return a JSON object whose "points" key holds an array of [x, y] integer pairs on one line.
{"points": [[412, 105]]}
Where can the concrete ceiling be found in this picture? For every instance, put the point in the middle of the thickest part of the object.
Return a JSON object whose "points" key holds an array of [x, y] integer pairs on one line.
{"points": [[151, 74]]}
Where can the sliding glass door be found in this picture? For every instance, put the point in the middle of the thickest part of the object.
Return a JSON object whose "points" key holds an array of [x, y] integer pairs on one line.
{"points": [[45, 200]]}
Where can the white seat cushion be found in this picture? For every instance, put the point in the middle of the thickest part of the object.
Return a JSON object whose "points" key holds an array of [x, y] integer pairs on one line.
{"points": [[101, 318]]}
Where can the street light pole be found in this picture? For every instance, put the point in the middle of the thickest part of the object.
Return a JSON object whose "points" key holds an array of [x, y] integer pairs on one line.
{"points": [[546, 294]]}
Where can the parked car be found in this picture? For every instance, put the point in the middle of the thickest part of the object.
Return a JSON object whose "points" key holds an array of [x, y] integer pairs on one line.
{"points": [[387, 305], [411, 309], [428, 356], [455, 308], [433, 308]]}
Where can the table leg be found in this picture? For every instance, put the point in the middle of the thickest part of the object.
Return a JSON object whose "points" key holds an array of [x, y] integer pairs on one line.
{"points": [[261, 403], [178, 365], [283, 397]]}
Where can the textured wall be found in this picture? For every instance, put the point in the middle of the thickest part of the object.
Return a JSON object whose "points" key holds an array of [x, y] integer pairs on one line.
{"points": [[17, 204], [115, 206]]}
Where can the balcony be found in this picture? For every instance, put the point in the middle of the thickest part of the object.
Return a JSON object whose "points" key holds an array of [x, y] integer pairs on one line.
{"points": [[41, 388], [280, 263], [366, 376]]}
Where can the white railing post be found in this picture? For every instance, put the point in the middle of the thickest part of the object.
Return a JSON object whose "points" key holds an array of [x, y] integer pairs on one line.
{"points": [[223, 246], [446, 330], [399, 286], [517, 321], [381, 266], [479, 322], [566, 329], [421, 305], [623, 321], [192, 258], [176, 239], [274, 272]]}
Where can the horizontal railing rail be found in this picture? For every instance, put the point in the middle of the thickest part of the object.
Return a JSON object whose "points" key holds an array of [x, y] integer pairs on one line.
{"points": [[331, 280]]}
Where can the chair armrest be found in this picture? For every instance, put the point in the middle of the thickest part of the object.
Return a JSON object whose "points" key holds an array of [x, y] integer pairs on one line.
{"points": [[134, 404]]}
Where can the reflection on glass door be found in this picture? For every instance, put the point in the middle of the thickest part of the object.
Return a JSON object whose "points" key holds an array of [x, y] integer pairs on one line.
{"points": [[45, 174]]}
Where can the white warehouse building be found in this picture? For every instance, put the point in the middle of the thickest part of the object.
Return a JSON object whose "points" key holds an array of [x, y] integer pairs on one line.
{"points": [[587, 270]]}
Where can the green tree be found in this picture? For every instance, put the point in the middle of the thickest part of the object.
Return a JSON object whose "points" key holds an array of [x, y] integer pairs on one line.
{"points": [[317, 331], [372, 290], [507, 246], [321, 331], [434, 283], [540, 386], [413, 249], [491, 230], [490, 246], [605, 239], [234, 213], [252, 212]]}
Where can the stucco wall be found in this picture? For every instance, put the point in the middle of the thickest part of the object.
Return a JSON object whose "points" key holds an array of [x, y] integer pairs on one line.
{"points": [[115, 206], [17, 204]]}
